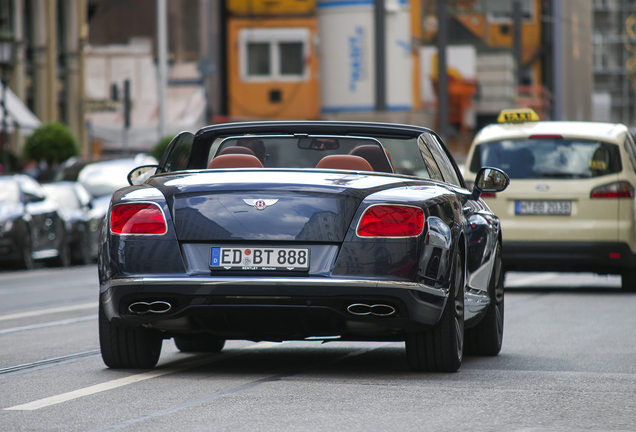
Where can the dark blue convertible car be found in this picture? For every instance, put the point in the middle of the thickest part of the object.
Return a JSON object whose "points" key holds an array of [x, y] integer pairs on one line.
{"points": [[274, 231]]}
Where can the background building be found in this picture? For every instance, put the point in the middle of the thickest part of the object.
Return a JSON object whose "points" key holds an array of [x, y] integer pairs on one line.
{"points": [[614, 61], [233, 60], [47, 72], [573, 82], [122, 50]]}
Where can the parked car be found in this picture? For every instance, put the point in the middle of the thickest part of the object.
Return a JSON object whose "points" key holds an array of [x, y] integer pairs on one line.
{"points": [[76, 204], [100, 179], [302, 231], [571, 205], [105, 177], [31, 225]]}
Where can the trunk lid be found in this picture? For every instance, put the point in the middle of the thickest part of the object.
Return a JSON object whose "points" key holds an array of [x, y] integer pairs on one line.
{"points": [[249, 205]]}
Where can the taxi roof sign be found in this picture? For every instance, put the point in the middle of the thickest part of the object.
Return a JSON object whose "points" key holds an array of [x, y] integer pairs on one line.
{"points": [[517, 115]]}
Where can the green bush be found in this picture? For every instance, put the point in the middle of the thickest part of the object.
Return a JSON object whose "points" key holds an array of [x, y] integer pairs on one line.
{"points": [[161, 146], [52, 142]]}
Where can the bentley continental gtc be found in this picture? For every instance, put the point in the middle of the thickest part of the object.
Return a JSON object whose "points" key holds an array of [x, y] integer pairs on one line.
{"points": [[279, 231]]}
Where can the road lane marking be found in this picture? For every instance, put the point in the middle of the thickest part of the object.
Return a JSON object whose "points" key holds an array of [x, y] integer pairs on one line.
{"points": [[238, 389], [529, 280], [92, 305], [48, 324], [98, 388]]}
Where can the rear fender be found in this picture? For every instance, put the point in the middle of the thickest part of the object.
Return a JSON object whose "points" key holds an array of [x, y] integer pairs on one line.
{"points": [[150, 254]]}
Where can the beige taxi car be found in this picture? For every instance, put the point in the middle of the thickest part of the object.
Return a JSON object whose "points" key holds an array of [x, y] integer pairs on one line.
{"points": [[570, 205]]}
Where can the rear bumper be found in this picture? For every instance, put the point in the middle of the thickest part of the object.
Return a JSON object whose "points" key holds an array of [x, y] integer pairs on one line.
{"points": [[596, 257], [274, 308]]}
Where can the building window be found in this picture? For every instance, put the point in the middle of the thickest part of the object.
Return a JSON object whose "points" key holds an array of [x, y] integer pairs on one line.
{"points": [[258, 59], [501, 10], [274, 54], [291, 58]]}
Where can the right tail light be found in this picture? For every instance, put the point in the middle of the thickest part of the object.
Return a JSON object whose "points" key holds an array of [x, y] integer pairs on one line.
{"points": [[620, 189]]}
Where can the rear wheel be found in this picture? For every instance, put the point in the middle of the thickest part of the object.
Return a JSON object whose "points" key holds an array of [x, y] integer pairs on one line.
{"points": [[441, 348], [199, 344], [128, 348], [628, 281], [486, 338]]}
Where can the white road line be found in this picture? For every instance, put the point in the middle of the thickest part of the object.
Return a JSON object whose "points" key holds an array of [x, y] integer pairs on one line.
{"points": [[98, 388], [48, 324], [92, 305], [529, 280], [92, 390], [240, 388]]}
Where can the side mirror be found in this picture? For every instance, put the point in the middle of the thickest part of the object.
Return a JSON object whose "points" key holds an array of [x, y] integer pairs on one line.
{"points": [[141, 174], [491, 180]]}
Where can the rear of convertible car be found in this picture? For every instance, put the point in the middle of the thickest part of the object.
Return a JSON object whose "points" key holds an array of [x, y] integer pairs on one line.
{"points": [[271, 256]]}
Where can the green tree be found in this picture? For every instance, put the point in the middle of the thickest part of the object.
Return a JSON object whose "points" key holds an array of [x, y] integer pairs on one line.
{"points": [[52, 142], [161, 146]]}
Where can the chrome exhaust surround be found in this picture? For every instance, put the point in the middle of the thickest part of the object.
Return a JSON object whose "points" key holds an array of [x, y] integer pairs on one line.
{"points": [[361, 309], [156, 307]]}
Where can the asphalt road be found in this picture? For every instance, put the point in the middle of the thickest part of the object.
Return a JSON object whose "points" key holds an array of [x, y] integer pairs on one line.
{"points": [[568, 364]]}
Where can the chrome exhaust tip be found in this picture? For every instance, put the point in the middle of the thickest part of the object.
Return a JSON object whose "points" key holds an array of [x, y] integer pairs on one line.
{"points": [[157, 307], [362, 309]]}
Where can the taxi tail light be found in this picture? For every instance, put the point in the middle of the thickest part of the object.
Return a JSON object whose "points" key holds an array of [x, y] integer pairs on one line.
{"points": [[613, 190], [137, 218], [391, 221]]}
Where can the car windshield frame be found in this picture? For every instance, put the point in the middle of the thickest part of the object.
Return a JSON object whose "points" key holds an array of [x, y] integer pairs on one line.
{"points": [[402, 144], [289, 151]]}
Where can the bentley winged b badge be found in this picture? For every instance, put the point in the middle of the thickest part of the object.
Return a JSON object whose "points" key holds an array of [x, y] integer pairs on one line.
{"points": [[260, 204]]}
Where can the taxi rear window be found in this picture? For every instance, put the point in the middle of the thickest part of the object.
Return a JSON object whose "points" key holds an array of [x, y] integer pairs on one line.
{"points": [[548, 158]]}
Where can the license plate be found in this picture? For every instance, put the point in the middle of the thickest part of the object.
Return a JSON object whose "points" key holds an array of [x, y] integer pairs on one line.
{"points": [[543, 207], [259, 258]]}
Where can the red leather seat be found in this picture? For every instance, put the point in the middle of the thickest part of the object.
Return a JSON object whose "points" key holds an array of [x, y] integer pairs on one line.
{"points": [[235, 161], [346, 162]]}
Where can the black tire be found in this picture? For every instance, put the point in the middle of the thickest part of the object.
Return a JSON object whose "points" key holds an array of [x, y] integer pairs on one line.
{"points": [[486, 338], [628, 281], [127, 348], [199, 344], [441, 348], [26, 254]]}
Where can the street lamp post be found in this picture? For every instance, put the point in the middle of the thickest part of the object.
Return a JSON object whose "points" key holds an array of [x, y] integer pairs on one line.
{"points": [[6, 61]]}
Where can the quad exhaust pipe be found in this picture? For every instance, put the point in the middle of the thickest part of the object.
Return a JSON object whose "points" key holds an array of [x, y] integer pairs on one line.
{"points": [[156, 307], [361, 309]]}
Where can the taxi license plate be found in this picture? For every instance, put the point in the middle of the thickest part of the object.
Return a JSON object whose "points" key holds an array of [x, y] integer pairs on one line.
{"points": [[259, 258], [543, 207]]}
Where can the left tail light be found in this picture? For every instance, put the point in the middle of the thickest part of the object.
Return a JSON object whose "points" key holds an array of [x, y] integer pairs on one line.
{"points": [[391, 221], [613, 190], [138, 219]]}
